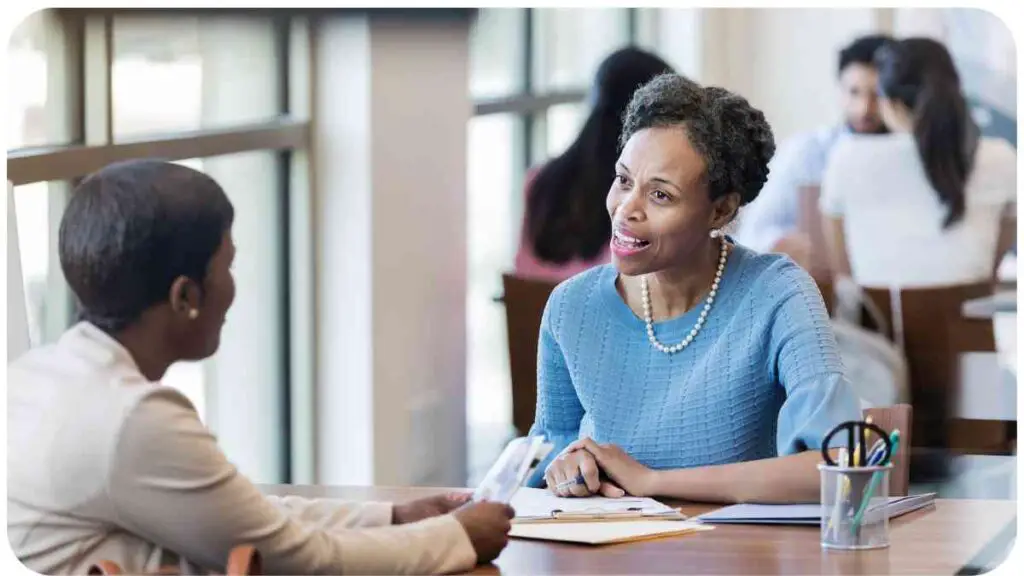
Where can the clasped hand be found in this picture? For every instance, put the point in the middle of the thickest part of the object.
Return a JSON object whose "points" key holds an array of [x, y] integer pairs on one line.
{"points": [[587, 459]]}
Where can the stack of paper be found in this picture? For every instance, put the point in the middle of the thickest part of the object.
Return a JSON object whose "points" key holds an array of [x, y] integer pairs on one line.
{"points": [[809, 514], [541, 515], [536, 505]]}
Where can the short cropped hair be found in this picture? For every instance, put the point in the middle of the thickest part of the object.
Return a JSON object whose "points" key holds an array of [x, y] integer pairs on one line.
{"points": [[131, 229]]}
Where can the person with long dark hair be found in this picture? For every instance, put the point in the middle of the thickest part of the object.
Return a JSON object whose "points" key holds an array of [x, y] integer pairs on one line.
{"points": [[566, 227], [772, 222], [924, 205]]}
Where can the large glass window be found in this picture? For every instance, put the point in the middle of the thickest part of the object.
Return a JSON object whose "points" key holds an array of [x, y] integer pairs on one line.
{"points": [[562, 125], [523, 122], [36, 57], [172, 77], [497, 57], [173, 73], [493, 142], [37, 207], [571, 42]]}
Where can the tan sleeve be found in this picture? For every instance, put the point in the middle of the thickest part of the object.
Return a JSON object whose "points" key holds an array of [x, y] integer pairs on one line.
{"points": [[171, 485], [333, 514]]}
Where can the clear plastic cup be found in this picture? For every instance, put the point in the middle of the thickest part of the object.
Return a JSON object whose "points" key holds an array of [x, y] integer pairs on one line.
{"points": [[854, 511]]}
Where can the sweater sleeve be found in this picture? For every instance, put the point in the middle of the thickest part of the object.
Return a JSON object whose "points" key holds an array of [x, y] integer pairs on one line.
{"points": [[170, 484], [559, 410], [807, 363], [332, 514]]}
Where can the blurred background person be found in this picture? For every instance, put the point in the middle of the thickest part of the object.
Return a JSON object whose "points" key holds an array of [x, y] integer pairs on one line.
{"points": [[565, 227], [771, 224], [923, 205]]}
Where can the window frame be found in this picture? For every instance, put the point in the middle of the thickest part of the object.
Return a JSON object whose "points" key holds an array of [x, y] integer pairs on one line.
{"points": [[530, 104], [86, 103]]}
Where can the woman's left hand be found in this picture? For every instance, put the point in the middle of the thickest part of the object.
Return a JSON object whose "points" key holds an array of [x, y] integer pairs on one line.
{"points": [[632, 476], [427, 507]]}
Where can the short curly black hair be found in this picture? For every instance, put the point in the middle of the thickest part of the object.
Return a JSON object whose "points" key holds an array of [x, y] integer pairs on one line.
{"points": [[732, 136]]}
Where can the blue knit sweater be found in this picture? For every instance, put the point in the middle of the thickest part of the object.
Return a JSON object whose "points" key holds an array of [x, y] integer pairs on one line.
{"points": [[762, 378]]}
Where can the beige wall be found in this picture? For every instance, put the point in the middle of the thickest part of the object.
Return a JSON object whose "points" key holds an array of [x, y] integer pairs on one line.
{"points": [[391, 105], [782, 60]]}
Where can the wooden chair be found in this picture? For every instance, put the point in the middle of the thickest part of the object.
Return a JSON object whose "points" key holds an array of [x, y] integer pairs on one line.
{"points": [[524, 306], [243, 560], [889, 418], [935, 334], [809, 222]]}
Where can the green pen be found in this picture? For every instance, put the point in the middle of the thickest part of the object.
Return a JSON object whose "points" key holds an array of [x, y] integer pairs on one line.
{"points": [[875, 478]]}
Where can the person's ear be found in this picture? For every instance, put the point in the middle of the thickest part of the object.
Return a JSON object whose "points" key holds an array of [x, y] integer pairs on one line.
{"points": [[185, 297], [724, 209]]}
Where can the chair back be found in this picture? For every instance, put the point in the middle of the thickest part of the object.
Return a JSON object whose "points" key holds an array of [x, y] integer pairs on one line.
{"points": [[929, 324], [524, 306], [243, 560], [889, 418], [809, 223]]}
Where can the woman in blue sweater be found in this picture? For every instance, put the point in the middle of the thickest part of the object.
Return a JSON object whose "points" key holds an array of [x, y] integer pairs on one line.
{"points": [[690, 367]]}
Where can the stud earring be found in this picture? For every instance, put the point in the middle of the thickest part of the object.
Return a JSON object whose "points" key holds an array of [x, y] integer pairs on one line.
{"points": [[193, 314], [715, 233]]}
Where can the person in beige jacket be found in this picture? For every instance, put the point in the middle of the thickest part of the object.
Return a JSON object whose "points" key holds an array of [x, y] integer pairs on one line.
{"points": [[105, 463]]}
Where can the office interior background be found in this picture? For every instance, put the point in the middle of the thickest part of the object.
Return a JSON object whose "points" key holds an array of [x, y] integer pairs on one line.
{"points": [[376, 161]]}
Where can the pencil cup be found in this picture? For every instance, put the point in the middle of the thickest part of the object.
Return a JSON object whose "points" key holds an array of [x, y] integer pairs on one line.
{"points": [[854, 511]]}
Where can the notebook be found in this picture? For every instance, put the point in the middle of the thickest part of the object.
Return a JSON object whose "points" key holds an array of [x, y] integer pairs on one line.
{"points": [[803, 514], [537, 505], [595, 533]]}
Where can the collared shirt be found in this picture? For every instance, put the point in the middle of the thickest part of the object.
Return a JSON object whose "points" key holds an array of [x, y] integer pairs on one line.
{"points": [[775, 213], [105, 465]]}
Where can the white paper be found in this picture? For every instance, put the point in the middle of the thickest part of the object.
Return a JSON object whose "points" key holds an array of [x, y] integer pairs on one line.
{"points": [[538, 503], [510, 470]]}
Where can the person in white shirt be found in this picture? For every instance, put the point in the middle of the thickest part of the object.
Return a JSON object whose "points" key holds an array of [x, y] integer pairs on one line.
{"points": [[772, 222], [104, 463], [928, 204]]}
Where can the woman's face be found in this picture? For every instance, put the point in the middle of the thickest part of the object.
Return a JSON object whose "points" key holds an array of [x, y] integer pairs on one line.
{"points": [[201, 334], [660, 210]]}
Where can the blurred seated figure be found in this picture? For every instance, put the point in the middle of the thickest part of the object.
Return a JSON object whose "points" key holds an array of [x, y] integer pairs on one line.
{"points": [[772, 222], [929, 204], [566, 228]]}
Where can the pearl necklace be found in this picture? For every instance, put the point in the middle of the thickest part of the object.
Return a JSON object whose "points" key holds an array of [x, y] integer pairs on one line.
{"points": [[703, 313]]}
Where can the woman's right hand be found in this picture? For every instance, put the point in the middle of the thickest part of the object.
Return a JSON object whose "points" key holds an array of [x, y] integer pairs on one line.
{"points": [[573, 463], [487, 524]]}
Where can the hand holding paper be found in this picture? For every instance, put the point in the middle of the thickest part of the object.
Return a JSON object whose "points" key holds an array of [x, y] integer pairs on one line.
{"points": [[513, 466]]}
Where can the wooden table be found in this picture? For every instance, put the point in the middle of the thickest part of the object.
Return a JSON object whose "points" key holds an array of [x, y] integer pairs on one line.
{"points": [[940, 540]]}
